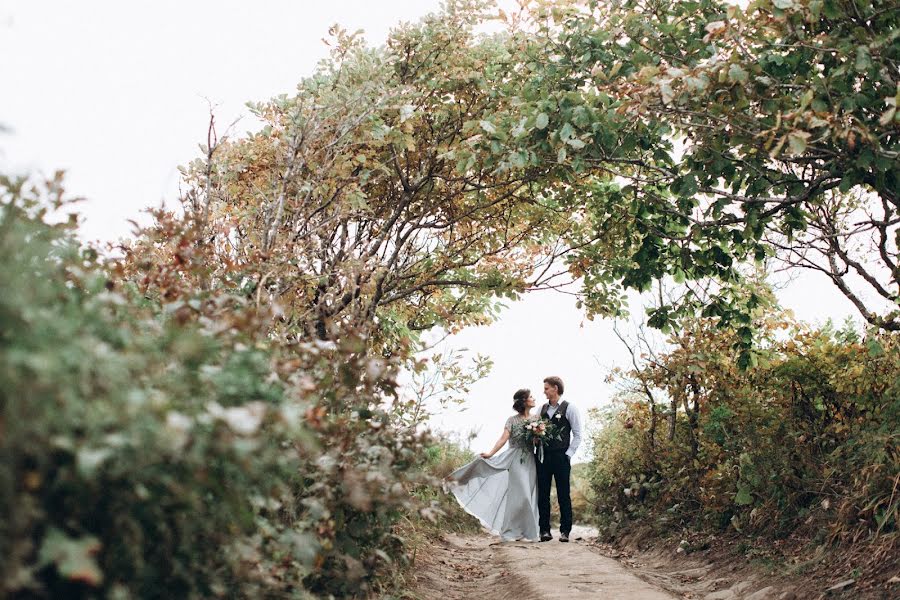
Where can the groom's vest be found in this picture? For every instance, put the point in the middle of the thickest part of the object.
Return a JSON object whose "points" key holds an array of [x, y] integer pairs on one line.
{"points": [[561, 420]]}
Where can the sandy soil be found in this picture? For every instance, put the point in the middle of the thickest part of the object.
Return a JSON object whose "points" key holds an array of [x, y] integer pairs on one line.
{"points": [[478, 566]]}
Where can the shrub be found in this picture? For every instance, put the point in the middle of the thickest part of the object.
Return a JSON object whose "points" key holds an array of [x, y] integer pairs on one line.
{"points": [[158, 442], [807, 435], [142, 457]]}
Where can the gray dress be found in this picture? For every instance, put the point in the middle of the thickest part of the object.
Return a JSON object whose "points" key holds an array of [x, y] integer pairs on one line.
{"points": [[501, 491]]}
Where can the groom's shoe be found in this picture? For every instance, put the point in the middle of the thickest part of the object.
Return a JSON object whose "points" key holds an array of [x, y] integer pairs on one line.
{"points": [[546, 537], [563, 537]]}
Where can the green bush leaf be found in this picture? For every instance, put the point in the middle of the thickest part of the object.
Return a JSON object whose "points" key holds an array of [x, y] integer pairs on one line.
{"points": [[743, 497]]}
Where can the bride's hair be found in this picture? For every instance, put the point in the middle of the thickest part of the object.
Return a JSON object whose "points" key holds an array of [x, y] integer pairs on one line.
{"points": [[520, 398]]}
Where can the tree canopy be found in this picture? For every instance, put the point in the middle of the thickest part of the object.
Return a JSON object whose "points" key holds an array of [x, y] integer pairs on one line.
{"points": [[775, 133], [378, 193], [414, 184]]}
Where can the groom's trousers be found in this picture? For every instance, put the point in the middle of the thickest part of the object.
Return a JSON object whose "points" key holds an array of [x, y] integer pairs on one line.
{"points": [[556, 466]]}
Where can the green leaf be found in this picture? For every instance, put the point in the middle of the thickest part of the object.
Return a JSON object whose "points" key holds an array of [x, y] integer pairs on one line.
{"points": [[875, 348], [863, 59], [807, 98], [737, 74], [518, 160], [797, 141], [819, 105], [783, 4], [865, 159], [815, 8], [743, 497], [465, 163], [542, 121], [488, 126]]}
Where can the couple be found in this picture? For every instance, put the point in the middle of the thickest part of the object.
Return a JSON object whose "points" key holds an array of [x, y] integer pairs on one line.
{"points": [[506, 492]]}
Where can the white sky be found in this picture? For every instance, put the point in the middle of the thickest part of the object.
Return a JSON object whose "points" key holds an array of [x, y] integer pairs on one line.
{"points": [[115, 93]]}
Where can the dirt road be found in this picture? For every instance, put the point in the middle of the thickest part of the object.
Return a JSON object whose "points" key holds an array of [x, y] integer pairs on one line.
{"points": [[476, 567]]}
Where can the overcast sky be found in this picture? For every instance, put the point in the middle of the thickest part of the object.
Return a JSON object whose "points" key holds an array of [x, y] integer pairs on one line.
{"points": [[116, 93]]}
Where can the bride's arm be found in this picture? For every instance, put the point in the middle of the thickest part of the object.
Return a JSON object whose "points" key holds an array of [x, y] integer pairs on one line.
{"points": [[503, 439]]}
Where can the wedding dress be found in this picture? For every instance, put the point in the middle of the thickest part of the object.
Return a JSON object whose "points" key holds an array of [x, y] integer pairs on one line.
{"points": [[501, 491]]}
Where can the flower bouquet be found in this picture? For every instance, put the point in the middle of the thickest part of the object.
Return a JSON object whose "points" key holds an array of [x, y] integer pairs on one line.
{"points": [[537, 434]]}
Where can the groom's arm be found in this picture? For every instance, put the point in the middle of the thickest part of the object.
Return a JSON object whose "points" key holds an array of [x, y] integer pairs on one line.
{"points": [[575, 421]]}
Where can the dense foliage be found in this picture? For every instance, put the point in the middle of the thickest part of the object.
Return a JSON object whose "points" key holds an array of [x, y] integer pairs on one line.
{"points": [[734, 134], [164, 446], [807, 439], [371, 198]]}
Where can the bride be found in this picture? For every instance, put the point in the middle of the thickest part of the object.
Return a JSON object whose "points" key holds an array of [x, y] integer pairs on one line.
{"points": [[501, 491]]}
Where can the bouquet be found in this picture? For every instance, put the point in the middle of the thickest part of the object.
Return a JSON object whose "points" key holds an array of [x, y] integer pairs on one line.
{"points": [[536, 435]]}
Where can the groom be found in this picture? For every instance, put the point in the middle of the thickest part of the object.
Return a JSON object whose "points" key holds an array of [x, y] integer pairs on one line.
{"points": [[557, 459]]}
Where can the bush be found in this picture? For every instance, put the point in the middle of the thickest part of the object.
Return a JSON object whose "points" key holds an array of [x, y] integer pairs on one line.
{"points": [[807, 436], [158, 442], [142, 457]]}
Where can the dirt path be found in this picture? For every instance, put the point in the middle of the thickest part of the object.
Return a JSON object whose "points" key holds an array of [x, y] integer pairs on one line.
{"points": [[475, 567]]}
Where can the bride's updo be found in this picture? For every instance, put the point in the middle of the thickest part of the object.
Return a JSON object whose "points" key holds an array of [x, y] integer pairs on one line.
{"points": [[520, 399]]}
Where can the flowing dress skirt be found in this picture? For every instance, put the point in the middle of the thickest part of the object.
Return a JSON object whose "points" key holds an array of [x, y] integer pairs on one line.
{"points": [[501, 492]]}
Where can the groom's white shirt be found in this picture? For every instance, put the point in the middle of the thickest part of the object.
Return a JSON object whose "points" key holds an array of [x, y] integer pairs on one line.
{"points": [[574, 421]]}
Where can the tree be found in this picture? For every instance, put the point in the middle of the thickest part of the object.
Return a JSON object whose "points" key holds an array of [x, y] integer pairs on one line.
{"points": [[379, 194], [785, 127], [440, 382], [413, 185]]}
